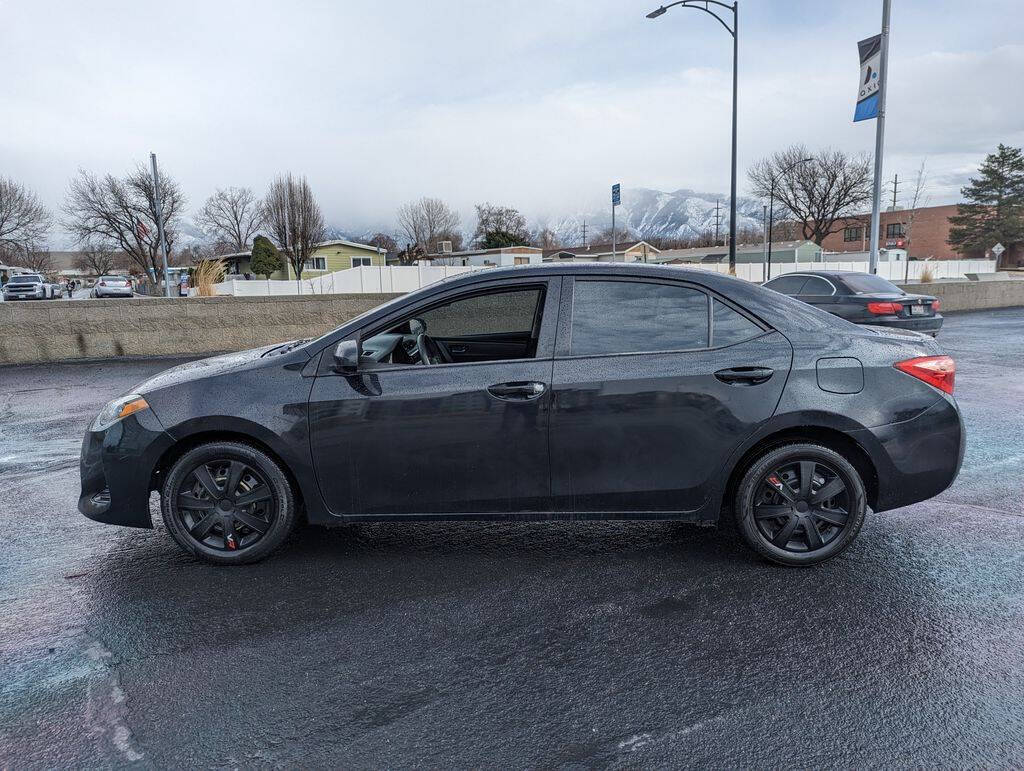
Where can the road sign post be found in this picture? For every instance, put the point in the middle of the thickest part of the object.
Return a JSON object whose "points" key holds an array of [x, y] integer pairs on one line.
{"points": [[616, 199]]}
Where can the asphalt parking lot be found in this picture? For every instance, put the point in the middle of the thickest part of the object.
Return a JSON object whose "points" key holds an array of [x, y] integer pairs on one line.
{"points": [[541, 644]]}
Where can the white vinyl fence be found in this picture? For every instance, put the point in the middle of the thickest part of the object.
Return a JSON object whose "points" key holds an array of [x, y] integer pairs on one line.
{"points": [[408, 278], [893, 271], [371, 279]]}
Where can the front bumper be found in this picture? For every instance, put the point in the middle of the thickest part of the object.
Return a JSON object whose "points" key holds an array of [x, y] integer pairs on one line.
{"points": [[117, 466], [916, 459]]}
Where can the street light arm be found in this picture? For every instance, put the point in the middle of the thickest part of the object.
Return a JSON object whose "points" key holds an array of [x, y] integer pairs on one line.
{"points": [[704, 7]]}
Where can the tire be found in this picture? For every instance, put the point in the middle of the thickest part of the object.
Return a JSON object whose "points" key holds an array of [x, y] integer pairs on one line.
{"points": [[780, 511], [215, 528]]}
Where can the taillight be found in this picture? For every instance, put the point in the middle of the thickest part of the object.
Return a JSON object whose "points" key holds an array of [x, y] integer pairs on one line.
{"points": [[885, 309], [935, 305], [938, 371]]}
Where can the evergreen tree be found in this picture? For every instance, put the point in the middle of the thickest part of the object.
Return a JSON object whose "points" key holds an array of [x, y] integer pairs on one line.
{"points": [[265, 259], [994, 212]]}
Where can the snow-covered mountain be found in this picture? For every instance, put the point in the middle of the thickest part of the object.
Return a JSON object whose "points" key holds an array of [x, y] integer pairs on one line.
{"points": [[650, 213]]}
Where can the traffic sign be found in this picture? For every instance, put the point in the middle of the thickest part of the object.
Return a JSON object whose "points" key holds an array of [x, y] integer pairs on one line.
{"points": [[998, 249], [615, 194]]}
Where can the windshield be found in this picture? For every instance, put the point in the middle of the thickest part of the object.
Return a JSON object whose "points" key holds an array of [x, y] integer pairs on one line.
{"points": [[28, 279], [865, 283]]}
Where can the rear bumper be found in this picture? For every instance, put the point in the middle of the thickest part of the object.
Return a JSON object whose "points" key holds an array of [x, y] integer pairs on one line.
{"points": [[916, 459], [116, 467], [929, 325]]}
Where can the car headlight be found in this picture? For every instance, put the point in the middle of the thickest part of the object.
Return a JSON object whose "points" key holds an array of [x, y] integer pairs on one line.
{"points": [[117, 410]]}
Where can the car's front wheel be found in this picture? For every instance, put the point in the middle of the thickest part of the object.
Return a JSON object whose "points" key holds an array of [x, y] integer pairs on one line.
{"points": [[800, 504], [227, 503]]}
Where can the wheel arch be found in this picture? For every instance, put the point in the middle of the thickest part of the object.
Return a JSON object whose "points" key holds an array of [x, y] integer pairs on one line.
{"points": [[200, 437], [828, 436]]}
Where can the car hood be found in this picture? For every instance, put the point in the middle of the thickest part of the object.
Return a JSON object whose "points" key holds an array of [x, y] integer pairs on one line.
{"points": [[207, 368]]}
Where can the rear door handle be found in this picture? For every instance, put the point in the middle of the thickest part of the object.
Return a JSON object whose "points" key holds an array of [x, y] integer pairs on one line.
{"points": [[517, 392], [745, 375]]}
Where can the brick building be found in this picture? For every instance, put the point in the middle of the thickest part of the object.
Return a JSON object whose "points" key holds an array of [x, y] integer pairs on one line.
{"points": [[928, 234]]}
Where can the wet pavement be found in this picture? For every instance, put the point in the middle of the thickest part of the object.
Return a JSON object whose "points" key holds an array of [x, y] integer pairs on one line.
{"points": [[554, 644]]}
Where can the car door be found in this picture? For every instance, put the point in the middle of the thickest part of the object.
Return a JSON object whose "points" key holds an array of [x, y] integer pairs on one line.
{"points": [[468, 437], [655, 384]]}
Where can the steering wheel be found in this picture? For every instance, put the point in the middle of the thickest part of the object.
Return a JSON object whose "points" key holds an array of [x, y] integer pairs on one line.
{"points": [[431, 352]]}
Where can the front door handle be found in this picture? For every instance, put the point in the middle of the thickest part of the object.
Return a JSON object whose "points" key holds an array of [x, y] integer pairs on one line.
{"points": [[745, 376], [517, 392]]}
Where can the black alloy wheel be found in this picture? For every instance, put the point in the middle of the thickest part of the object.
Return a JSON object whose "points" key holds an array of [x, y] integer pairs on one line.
{"points": [[800, 504], [227, 503]]}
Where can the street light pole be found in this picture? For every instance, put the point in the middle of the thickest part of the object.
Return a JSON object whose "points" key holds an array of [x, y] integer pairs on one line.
{"points": [[704, 5]]}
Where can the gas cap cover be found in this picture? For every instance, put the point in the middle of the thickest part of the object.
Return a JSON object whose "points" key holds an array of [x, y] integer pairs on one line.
{"points": [[841, 375]]}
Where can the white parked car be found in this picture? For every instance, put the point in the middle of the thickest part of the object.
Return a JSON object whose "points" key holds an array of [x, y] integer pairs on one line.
{"points": [[30, 286], [112, 286]]}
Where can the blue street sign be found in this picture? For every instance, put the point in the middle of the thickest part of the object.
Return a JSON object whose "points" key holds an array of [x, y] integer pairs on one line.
{"points": [[615, 194]]}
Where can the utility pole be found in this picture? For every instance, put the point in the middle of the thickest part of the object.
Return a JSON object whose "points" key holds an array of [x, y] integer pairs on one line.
{"points": [[159, 206], [883, 86], [764, 240], [895, 187], [584, 234], [717, 219]]}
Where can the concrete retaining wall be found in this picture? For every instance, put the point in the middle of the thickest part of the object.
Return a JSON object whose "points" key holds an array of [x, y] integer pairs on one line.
{"points": [[32, 331], [972, 295], [60, 330]]}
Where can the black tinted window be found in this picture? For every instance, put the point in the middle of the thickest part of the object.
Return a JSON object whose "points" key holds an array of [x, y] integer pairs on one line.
{"points": [[787, 284], [817, 286], [730, 327], [484, 314], [632, 317], [865, 283]]}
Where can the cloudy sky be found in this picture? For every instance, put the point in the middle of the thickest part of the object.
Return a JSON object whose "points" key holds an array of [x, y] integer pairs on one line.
{"points": [[539, 104]]}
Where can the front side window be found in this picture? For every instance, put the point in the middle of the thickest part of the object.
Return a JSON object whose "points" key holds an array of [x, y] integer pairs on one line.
{"points": [[490, 326], [611, 317]]}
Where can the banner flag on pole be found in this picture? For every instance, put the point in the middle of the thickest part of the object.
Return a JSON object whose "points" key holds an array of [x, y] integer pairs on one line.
{"points": [[870, 51]]}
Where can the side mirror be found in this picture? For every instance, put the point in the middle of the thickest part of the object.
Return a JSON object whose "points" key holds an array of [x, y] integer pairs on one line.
{"points": [[346, 357]]}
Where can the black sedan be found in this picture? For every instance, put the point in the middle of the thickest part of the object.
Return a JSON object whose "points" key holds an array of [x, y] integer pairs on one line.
{"points": [[586, 391], [862, 298]]}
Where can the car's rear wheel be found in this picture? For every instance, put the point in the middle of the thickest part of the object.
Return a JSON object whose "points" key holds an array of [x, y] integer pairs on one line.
{"points": [[227, 503], [800, 504]]}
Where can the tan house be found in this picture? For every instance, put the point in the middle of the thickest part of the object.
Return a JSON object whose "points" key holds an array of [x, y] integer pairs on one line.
{"points": [[627, 251]]}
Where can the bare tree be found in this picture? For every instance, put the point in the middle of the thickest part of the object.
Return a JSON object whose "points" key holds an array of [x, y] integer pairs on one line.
{"points": [[385, 242], [37, 259], [23, 219], [121, 213], [499, 226], [98, 259], [918, 197], [294, 218], [820, 194], [427, 222], [546, 238], [231, 217]]}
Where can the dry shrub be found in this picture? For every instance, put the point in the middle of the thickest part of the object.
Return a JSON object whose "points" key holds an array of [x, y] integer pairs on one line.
{"points": [[206, 274], [927, 275]]}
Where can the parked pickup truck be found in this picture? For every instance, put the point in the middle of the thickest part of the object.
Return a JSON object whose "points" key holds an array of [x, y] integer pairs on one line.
{"points": [[31, 286]]}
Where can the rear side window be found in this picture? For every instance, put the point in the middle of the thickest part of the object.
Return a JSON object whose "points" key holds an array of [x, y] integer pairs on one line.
{"points": [[787, 284], [817, 286], [636, 317], [729, 326]]}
